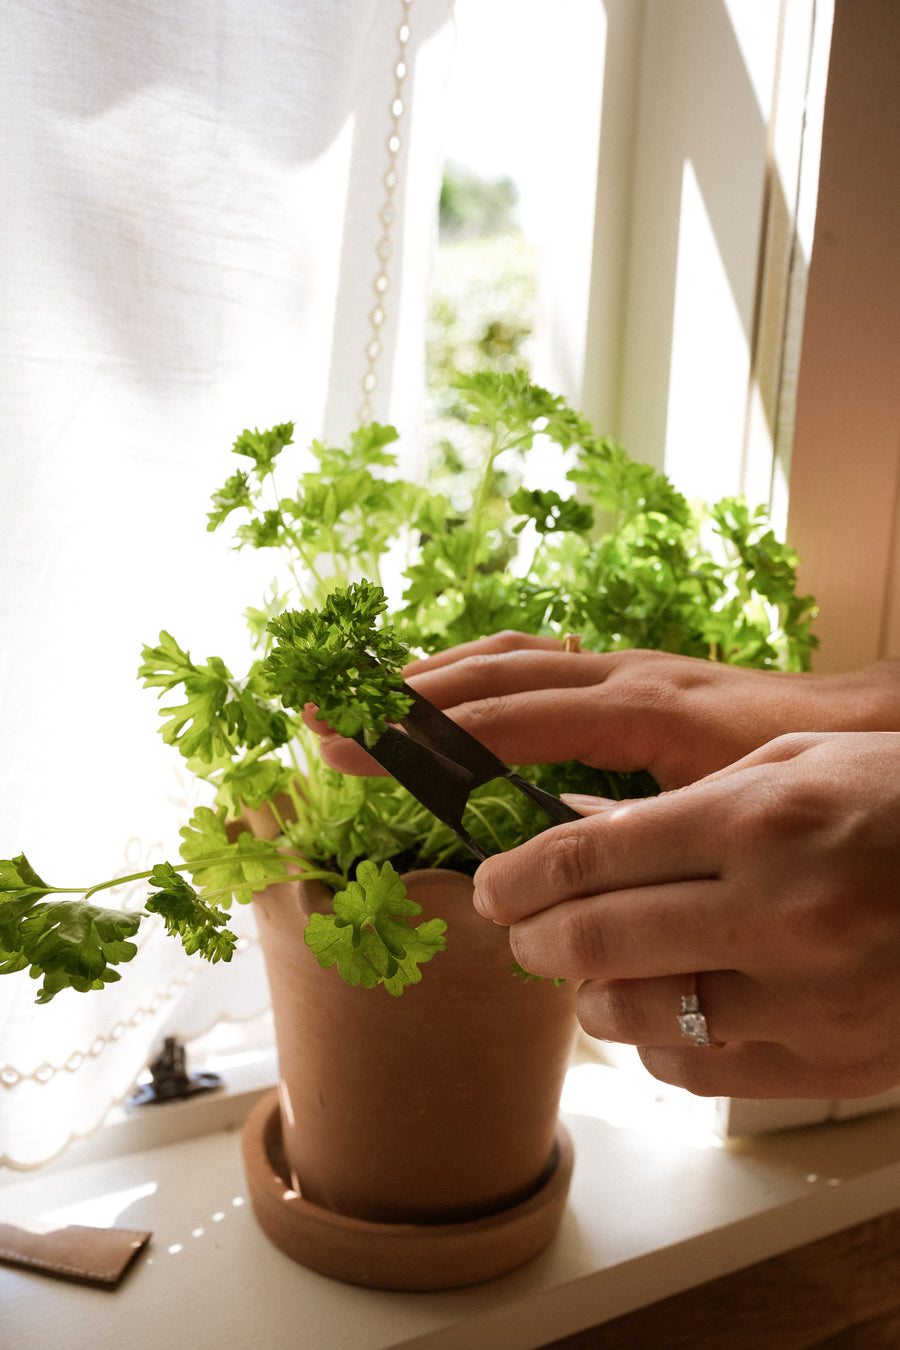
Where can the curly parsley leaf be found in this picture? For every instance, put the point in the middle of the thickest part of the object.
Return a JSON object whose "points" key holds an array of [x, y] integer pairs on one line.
{"points": [[258, 619], [200, 926], [219, 713], [234, 869], [75, 944], [338, 659], [369, 937], [366, 449], [72, 944], [246, 782], [264, 447], [234, 496], [19, 881], [521, 973], [550, 512], [515, 410]]}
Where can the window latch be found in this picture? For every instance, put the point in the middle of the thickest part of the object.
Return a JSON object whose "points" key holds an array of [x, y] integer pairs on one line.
{"points": [[170, 1080]]}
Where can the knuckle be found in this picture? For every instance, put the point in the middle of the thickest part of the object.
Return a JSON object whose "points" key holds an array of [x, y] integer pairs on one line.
{"points": [[508, 640], [827, 912], [822, 924], [650, 678], [583, 948], [791, 744], [841, 933], [612, 1011], [483, 712], [570, 859], [776, 813], [651, 694], [784, 823]]}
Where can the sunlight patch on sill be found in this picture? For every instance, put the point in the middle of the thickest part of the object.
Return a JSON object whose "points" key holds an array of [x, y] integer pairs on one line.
{"points": [[101, 1211], [635, 1101]]}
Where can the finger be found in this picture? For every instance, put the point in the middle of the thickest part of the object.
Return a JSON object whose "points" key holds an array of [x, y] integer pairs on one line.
{"points": [[632, 844], [639, 934], [803, 1015], [311, 718], [737, 1007], [545, 706], [527, 706], [565, 721], [528, 727], [760, 1069], [748, 1069], [589, 806], [772, 1040], [338, 752], [348, 757], [507, 641], [489, 674]]}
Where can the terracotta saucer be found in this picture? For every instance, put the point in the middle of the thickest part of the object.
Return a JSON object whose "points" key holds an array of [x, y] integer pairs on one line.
{"points": [[404, 1256]]}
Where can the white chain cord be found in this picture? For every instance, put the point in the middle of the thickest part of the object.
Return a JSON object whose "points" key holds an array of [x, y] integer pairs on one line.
{"points": [[387, 215]]}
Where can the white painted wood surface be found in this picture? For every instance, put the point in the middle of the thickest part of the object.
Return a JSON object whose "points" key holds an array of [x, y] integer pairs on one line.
{"points": [[653, 1210]]}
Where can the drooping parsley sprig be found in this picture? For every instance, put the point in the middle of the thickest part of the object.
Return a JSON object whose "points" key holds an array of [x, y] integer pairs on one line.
{"points": [[74, 943]]}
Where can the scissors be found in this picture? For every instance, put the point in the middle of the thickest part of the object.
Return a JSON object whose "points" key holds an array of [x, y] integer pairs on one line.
{"points": [[440, 763]]}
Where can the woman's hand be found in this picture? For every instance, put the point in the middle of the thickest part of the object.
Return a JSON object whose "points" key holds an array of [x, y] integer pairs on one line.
{"points": [[777, 879], [677, 716]]}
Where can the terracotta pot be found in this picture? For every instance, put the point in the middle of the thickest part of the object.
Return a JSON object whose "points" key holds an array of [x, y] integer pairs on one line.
{"points": [[433, 1113]]}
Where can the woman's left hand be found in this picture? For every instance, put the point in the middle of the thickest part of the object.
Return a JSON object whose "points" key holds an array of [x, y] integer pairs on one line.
{"points": [[775, 880]]}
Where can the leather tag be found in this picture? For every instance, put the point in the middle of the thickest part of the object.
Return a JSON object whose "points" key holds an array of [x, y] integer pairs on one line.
{"points": [[97, 1256]]}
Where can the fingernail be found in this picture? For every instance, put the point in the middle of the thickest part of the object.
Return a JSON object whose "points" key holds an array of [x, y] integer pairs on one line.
{"points": [[580, 801]]}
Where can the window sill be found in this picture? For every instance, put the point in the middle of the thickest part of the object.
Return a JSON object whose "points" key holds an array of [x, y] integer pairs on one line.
{"points": [[242, 1054], [659, 1204]]}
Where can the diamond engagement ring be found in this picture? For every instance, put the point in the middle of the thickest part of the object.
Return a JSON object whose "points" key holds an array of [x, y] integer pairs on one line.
{"points": [[691, 1020]]}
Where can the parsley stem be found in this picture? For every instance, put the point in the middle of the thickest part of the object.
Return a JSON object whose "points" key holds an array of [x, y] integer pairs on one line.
{"points": [[88, 891], [480, 503]]}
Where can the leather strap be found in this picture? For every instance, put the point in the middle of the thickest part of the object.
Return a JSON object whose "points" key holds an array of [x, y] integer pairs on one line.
{"points": [[97, 1256]]}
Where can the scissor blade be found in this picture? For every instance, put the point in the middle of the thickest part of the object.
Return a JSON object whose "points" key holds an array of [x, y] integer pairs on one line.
{"points": [[432, 727], [440, 784], [439, 762], [429, 725], [558, 811]]}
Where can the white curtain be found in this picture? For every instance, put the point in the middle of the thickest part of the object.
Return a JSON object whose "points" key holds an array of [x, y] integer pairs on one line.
{"points": [[216, 215]]}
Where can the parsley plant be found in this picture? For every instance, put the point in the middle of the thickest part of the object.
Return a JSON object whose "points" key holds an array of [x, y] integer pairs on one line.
{"points": [[622, 558]]}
